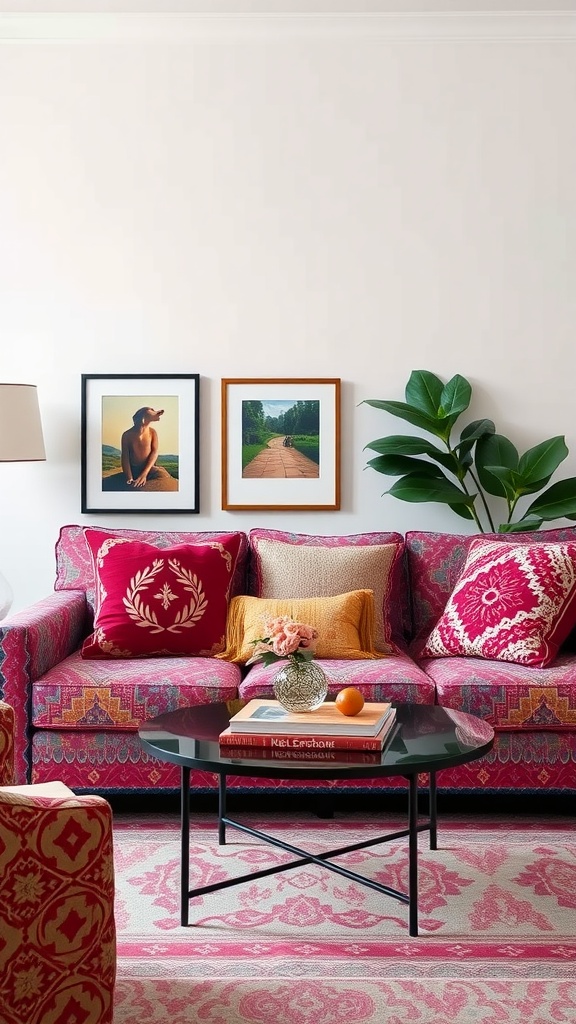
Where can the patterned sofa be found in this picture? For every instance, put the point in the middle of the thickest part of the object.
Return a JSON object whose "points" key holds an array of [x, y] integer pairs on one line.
{"points": [[77, 717]]}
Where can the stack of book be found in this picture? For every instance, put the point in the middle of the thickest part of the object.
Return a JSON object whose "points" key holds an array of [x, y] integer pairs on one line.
{"points": [[264, 729]]}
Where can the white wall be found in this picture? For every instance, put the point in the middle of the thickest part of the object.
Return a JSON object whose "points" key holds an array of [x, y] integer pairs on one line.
{"points": [[261, 197]]}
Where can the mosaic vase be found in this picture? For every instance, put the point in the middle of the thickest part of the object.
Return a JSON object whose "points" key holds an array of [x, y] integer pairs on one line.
{"points": [[300, 685]]}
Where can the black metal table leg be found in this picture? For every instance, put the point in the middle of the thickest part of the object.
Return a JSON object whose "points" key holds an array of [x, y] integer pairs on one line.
{"points": [[433, 811], [413, 855], [184, 845], [222, 810]]}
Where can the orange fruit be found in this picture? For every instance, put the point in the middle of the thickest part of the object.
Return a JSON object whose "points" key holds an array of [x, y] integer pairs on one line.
{"points": [[349, 701]]}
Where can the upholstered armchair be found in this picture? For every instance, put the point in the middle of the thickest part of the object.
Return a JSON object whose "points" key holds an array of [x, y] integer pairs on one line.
{"points": [[57, 934], [6, 744]]}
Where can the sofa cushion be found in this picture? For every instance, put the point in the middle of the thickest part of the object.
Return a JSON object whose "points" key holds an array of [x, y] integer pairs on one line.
{"points": [[507, 695], [75, 568], [435, 561], [81, 694], [157, 603], [395, 678], [308, 565], [345, 624], [511, 602]]}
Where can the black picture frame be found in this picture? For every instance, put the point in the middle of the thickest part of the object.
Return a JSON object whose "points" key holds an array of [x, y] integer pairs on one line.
{"points": [[111, 429]]}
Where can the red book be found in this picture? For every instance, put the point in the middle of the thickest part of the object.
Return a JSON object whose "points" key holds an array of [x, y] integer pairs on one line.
{"points": [[285, 742], [245, 753]]}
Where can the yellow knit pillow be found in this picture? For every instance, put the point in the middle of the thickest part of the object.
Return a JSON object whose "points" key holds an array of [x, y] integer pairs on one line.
{"points": [[345, 623]]}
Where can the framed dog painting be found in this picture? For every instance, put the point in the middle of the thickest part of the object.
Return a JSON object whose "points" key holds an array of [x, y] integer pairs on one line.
{"points": [[139, 436]]}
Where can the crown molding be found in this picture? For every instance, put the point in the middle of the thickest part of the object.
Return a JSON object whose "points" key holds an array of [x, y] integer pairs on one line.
{"points": [[526, 26]]}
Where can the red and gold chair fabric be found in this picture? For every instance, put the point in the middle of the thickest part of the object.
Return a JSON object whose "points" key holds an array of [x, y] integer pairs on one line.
{"points": [[6, 744], [57, 932]]}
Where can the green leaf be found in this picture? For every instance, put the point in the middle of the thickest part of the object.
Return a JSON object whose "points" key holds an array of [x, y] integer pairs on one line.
{"points": [[407, 412], [423, 488], [508, 478], [423, 392], [398, 465], [476, 429], [462, 510], [527, 525], [534, 488], [542, 460], [494, 450], [402, 444], [557, 502], [455, 397], [471, 433]]}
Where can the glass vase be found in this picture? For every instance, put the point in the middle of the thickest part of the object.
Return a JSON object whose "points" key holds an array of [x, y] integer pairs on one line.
{"points": [[300, 685]]}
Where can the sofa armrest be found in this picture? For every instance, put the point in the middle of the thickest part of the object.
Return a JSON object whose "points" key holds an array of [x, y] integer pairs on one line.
{"points": [[31, 642]]}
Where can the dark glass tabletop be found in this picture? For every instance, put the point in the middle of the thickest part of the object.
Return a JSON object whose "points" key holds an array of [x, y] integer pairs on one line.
{"points": [[426, 738]]}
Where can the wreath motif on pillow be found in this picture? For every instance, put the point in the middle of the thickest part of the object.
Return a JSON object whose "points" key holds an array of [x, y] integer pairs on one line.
{"points": [[145, 616]]}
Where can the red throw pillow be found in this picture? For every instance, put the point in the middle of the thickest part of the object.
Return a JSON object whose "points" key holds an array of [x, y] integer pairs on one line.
{"points": [[510, 603], [159, 601]]}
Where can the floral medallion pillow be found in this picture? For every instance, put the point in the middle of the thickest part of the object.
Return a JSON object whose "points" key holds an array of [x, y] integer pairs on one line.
{"points": [[159, 601], [510, 603]]}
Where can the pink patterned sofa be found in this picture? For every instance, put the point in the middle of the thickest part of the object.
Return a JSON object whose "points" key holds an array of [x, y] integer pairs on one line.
{"points": [[77, 719]]}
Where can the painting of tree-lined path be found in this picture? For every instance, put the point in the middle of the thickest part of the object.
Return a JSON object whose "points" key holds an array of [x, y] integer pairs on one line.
{"points": [[281, 439]]}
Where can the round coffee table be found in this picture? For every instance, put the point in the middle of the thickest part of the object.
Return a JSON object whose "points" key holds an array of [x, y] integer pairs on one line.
{"points": [[426, 739]]}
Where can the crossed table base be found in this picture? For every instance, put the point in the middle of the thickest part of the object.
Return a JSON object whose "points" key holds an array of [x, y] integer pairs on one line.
{"points": [[428, 738], [305, 857]]}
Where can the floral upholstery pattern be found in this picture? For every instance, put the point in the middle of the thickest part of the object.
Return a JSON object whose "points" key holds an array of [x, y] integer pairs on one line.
{"points": [[529, 761], [57, 945], [77, 720], [58, 939], [6, 745], [32, 642], [435, 561], [395, 678], [74, 567], [82, 694], [512, 602], [507, 695]]}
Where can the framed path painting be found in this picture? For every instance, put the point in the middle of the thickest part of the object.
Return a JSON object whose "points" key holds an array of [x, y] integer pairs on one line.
{"points": [[281, 443], [139, 436]]}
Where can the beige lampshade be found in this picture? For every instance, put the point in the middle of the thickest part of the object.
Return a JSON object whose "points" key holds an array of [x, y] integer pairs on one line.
{"points": [[21, 438]]}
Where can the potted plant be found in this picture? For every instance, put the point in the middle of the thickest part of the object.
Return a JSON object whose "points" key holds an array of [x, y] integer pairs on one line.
{"points": [[463, 471]]}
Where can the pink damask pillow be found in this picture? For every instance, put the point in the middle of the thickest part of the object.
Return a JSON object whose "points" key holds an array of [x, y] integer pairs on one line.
{"points": [[159, 601], [510, 603]]}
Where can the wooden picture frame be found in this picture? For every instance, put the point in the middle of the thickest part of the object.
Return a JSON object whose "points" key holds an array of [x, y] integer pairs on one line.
{"points": [[281, 443], [139, 443]]}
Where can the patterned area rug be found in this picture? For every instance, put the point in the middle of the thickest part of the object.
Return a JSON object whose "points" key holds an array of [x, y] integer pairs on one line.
{"points": [[496, 946]]}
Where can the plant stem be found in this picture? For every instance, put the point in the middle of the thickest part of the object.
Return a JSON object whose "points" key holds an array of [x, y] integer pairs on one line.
{"points": [[484, 502], [473, 509], [461, 481]]}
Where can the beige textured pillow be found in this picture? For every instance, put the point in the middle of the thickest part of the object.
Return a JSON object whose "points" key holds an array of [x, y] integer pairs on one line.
{"points": [[291, 570]]}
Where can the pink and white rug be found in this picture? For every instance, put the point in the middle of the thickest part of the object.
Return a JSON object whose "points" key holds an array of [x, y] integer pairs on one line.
{"points": [[497, 926]]}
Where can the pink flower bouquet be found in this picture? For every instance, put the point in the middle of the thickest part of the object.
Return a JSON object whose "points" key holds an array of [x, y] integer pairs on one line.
{"points": [[284, 639]]}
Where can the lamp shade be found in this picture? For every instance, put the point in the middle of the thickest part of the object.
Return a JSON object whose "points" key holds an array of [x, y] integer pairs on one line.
{"points": [[21, 438]]}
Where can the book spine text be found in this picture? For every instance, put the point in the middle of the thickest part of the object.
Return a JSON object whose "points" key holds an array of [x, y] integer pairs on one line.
{"points": [[291, 742]]}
